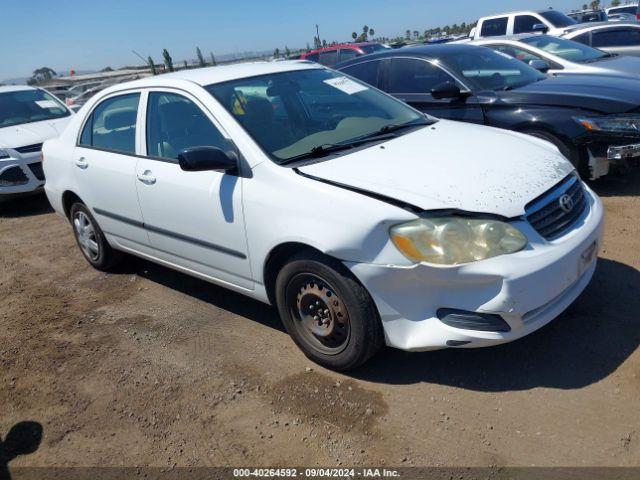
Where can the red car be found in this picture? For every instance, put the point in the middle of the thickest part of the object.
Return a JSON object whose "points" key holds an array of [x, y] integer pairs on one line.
{"points": [[335, 54]]}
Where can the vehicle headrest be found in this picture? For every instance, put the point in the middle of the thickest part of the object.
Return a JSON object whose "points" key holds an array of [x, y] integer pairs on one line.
{"points": [[120, 118], [259, 109]]}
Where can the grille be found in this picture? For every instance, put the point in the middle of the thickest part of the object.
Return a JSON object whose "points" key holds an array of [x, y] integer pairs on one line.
{"points": [[29, 148], [546, 213], [13, 176], [36, 169]]}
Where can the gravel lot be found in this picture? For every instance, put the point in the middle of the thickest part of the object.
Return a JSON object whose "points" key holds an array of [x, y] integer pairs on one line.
{"points": [[151, 367]]}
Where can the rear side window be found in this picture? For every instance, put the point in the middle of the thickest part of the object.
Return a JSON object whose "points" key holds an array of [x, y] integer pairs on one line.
{"points": [[516, 52], [175, 123], [365, 71], [328, 59], [410, 75], [585, 39], [494, 27], [632, 10], [112, 125], [623, 37], [525, 23], [312, 58]]}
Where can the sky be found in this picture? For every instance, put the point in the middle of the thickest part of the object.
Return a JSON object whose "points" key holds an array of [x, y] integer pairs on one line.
{"points": [[93, 34]]}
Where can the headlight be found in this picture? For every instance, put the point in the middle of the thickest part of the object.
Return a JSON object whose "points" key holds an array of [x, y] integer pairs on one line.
{"points": [[619, 124], [4, 154], [455, 240]]}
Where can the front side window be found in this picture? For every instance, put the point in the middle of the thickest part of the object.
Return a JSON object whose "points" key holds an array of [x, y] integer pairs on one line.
{"points": [[347, 54], [374, 47], [515, 52], [486, 69], [494, 27], [112, 125], [365, 71], [329, 58], [622, 37], [292, 113], [525, 23], [27, 106], [312, 57], [175, 123], [558, 19], [411, 75], [567, 49]]}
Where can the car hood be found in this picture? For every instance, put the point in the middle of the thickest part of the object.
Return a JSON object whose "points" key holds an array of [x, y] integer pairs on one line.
{"points": [[25, 134], [452, 165], [604, 94], [618, 65]]}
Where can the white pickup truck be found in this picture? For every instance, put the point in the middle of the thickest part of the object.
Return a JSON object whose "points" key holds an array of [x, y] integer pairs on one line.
{"points": [[552, 22]]}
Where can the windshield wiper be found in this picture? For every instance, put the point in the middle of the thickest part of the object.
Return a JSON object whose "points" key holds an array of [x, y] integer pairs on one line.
{"points": [[395, 127]]}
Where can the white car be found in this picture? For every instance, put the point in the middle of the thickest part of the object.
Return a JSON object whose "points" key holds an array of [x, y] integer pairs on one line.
{"points": [[612, 37], [28, 117], [364, 221], [541, 21], [560, 56]]}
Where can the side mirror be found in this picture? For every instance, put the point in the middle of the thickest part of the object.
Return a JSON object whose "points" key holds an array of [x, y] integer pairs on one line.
{"points": [[540, 65], [446, 90], [540, 27], [200, 159]]}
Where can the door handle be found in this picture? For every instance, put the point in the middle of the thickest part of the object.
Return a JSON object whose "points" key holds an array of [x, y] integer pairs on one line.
{"points": [[81, 163], [147, 177]]}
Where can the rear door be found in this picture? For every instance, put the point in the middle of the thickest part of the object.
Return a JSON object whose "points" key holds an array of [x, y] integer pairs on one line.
{"points": [[105, 166], [412, 79], [194, 219]]}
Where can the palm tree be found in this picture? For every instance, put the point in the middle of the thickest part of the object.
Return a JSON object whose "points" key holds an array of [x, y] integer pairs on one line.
{"points": [[168, 61], [276, 53], [201, 61], [213, 59], [372, 32], [287, 52], [615, 3], [152, 65], [354, 35]]}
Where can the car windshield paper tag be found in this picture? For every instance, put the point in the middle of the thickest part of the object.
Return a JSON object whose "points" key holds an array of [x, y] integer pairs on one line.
{"points": [[46, 104], [346, 85]]}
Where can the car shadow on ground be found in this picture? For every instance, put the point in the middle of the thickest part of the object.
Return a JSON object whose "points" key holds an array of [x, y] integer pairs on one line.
{"points": [[582, 346], [618, 185], [22, 439], [25, 207]]}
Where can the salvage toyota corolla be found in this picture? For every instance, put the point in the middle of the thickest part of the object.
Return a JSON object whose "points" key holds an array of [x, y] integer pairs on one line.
{"points": [[364, 221]]}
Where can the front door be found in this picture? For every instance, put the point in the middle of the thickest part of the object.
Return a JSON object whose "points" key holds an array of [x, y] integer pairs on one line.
{"points": [[194, 219]]}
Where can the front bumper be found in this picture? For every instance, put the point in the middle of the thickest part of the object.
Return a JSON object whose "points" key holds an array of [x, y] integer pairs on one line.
{"points": [[20, 175], [606, 152], [527, 289]]}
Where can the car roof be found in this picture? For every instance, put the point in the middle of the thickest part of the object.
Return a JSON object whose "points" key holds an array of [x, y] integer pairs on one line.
{"points": [[15, 88], [329, 48], [598, 25], [516, 12], [434, 51], [219, 74], [515, 37]]}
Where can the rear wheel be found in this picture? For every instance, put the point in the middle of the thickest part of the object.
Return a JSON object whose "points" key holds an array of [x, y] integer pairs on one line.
{"points": [[573, 154], [329, 315], [91, 239]]}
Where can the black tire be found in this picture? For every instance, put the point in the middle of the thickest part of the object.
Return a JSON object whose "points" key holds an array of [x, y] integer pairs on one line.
{"points": [[104, 257], [570, 151], [348, 330]]}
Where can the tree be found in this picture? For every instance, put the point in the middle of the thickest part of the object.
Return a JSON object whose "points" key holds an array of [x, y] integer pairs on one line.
{"points": [[354, 35], [168, 61], [201, 61], [107, 69], [595, 5], [185, 65], [416, 34], [615, 3], [287, 52], [585, 6], [152, 66], [276, 53], [372, 32], [42, 74], [407, 34], [213, 59]]}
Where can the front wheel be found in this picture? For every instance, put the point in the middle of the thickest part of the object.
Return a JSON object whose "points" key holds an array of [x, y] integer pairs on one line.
{"points": [[580, 161], [91, 239], [329, 315]]}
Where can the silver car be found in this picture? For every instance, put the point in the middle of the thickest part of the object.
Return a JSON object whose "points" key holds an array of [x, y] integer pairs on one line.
{"points": [[559, 56], [612, 37]]}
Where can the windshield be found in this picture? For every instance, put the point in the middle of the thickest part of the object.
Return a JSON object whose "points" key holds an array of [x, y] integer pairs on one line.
{"points": [[26, 106], [486, 69], [567, 49], [558, 19], [376, 47], [292, 113]]}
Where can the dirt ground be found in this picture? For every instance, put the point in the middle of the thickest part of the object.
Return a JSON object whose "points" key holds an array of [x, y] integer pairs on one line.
{"points": [[151, 367]]}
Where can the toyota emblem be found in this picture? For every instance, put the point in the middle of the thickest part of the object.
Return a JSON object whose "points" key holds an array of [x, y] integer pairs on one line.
{"points": [[566, 203]]}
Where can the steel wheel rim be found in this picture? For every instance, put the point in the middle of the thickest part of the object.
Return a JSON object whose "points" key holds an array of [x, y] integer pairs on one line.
{"points": [[319, 314], [86, 236]]}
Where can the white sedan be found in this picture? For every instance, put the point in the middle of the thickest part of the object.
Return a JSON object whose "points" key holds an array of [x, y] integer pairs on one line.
{"points": [[28, 117], [362, 220]]}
